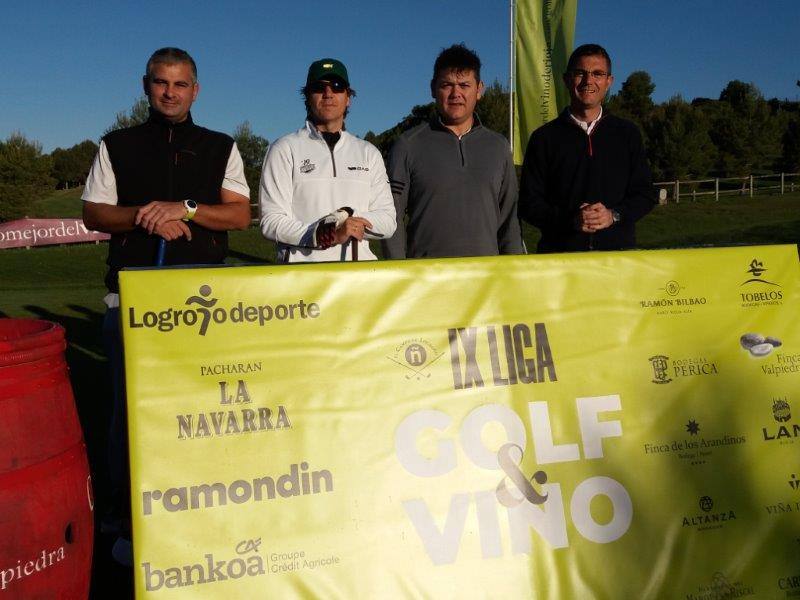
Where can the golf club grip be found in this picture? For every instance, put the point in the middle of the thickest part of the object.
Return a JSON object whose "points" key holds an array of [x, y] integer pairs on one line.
{"points": [[354, 248], [162, 251]]}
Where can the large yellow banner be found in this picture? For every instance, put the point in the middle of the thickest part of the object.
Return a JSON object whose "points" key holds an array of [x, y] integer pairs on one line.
{"points": [[615, 425]]}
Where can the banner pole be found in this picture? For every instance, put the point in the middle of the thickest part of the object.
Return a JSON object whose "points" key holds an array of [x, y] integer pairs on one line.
{"points": [[511, 81]]}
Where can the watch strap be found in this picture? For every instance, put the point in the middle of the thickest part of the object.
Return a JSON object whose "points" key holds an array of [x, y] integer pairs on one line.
{"points": [[191, 209]]}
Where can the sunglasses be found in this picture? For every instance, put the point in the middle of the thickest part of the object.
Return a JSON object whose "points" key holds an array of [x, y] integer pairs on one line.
{"points": [[337, 86]]}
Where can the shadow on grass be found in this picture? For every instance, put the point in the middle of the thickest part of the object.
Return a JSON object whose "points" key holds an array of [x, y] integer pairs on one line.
{"points": [[91, 386], [784, 233], [247, 258]]}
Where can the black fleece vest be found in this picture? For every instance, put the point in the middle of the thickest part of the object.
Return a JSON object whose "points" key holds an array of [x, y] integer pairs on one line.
{"points": [[159, 160]]}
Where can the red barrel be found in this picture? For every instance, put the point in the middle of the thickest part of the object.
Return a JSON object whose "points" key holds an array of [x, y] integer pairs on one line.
{"points": [[46, 522]]}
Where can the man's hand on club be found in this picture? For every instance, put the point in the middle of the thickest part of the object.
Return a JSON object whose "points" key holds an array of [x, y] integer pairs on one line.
{"points": [[352, 227], [172, 230], [157, 213]]}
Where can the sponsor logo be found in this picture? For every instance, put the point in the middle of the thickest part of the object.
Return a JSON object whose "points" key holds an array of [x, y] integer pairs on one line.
{"points": [[307, 166], [721, 589], [756, 271], [782, 508], [674, 302], [230, 368], [231, 418], [660, 363], [665, 370], [232, 422], [782, 364], [759, 346], [750, 297], [707, 519], [358, 169], [247, 562], [787, 432], [787, 505], [673, 288], [296, 560], [208, 313], [781, 411], [415, 356], [790, 585], [516, 355], [297, 482], [40, 232], [14, 573], [695, 451]]}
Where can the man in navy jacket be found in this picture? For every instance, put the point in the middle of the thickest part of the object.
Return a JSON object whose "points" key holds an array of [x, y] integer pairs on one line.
{"points": [[585, 179]]}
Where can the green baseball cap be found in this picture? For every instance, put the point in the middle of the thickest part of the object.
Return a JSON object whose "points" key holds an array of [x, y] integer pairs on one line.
{"points": [[326, 67]]}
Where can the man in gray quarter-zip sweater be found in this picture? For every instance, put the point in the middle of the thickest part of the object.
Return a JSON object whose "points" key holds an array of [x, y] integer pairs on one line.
{"points": [[453, 177]]}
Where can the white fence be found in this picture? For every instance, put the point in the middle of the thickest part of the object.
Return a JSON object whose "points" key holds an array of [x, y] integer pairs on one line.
{"points": [[750, 185]]}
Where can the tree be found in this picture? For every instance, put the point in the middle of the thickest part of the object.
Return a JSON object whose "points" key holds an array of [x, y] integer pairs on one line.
{"points": [[634, 101], [636, 96], [24, 175], [493, 108], [71, 166], [680, 146], [744, 131], [790, 156], [253, 149], [138, 114], [419, 114]]}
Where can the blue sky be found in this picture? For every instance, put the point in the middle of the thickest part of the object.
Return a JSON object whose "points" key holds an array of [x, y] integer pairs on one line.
{"points": [[69, 67]]}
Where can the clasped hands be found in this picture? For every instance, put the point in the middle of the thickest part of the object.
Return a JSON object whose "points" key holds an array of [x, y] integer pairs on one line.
{"points": [[164, 219], [593, 217]]}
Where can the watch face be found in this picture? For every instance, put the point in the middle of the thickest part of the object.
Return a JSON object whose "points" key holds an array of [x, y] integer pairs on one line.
{"points": [[191, 204]]}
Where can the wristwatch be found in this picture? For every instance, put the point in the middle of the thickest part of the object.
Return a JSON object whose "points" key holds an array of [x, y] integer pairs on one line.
{"points": [[615, 216], [191, 208]]}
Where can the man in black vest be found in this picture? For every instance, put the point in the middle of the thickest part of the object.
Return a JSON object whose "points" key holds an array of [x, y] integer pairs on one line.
{"points": [[164, 179]]}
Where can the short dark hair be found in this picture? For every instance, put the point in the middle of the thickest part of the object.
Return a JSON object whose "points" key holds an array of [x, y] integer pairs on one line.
{"points": [[588, 50], [170, 56], [456, 58]]}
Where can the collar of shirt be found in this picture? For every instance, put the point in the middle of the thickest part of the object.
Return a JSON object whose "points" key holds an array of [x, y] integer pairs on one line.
{"points": [[587, 127], [476, 122]]}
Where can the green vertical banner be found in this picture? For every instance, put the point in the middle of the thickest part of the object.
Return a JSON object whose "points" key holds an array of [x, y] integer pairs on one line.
{"points": [[545, 32]]}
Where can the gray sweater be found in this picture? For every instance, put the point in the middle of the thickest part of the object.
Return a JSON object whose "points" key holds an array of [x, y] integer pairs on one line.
{"points": [[460, 194]]}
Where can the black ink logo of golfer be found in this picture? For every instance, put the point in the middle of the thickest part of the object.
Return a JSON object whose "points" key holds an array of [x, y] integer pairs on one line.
{"points": [[757, 269], [205, 291]]}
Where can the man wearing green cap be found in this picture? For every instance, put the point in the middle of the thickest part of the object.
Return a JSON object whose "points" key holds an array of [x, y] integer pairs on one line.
{"points": [[324, 193]]}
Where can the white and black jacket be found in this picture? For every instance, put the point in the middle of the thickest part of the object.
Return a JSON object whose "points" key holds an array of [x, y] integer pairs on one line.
{"points": [[303, 180]]}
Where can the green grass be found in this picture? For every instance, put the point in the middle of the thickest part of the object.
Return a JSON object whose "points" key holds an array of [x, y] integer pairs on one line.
{"points": [[736, 220], [61, 203], [55, 278]]}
